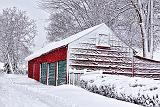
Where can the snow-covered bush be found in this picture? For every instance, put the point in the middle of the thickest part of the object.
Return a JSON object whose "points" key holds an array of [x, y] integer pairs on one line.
{"points": [[142, 91]]}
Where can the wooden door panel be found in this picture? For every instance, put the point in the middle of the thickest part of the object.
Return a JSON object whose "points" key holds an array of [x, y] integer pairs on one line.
{"points": [[51, 73], [43, 76], [61, 72]]}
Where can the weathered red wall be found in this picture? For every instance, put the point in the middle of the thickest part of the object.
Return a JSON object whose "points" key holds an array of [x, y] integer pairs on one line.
{"points": [[37, 69], [30, 69], [53, 56]]}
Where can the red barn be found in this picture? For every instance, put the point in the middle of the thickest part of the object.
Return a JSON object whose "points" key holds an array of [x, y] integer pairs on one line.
{"points": [[93, 49]]}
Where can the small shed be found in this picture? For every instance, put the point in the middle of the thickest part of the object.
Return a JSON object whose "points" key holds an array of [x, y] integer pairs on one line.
{"points": [[96, 48]]}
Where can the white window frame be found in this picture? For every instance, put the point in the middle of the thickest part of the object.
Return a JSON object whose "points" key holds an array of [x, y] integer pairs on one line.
{"points": [[47, 72], [40, 73], [56, 74], [100, 38]]}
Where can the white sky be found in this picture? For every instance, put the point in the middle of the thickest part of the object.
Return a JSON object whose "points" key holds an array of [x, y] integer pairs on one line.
{"points": [[34, 12]]}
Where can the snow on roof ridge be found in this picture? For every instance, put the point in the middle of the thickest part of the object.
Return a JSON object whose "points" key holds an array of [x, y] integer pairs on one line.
{"points": [[54, 45]]}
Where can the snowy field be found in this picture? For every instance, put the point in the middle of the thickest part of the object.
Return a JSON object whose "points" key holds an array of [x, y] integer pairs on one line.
{"points": [[20, 91], [143, 91]]}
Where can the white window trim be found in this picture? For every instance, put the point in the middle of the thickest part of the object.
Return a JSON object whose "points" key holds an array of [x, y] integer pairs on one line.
{"points": [[47, 72], [40, 72], [57, 73], [98, 39]]}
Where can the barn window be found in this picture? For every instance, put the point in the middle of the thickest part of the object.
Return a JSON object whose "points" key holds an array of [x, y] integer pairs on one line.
{"points": [[103, 40], [43, 73], [61, 72], [51, 73]]}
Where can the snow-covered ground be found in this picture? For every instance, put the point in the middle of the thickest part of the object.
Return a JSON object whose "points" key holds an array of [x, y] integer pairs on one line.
{"points": [[20, 91], [137, 90]]}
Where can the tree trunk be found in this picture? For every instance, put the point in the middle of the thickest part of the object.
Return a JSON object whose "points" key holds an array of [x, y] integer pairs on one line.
{"points": [[10, 64], [144, 40], [143, 30], [151, 29]]}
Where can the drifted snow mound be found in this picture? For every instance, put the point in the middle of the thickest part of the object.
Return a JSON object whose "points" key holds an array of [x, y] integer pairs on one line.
{"points": [[21, 91], [142, 91]]}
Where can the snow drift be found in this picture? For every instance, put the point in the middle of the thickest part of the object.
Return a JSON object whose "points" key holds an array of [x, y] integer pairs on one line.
{"points": [[21, 91], [136, 90]]}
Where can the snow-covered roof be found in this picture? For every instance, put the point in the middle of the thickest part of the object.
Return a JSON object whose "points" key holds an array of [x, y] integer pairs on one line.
{"points": [[156, 55], [61, 43]]}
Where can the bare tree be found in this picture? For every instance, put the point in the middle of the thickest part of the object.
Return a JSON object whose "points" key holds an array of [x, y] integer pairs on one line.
{"points": [[16, 35], [133, 20], [60, 26]]}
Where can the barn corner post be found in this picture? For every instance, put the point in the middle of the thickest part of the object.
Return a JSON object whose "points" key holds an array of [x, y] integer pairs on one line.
{"points": [[67, 67], [56, 73], [133, 65], [47, 75], [39, 71]]}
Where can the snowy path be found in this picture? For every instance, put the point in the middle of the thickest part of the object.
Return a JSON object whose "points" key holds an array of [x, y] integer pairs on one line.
{"points": [[19, 91], [13, 95]]}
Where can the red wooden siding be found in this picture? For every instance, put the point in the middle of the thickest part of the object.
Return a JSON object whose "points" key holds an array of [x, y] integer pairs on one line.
{"points": [[36, 71], [30, 69], [53, 56]]}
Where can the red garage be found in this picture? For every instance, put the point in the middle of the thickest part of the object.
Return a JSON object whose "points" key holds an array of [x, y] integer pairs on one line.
{"points": [[49, 67], [87, 51], [54, 64], [94, 49]]}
